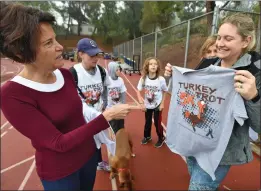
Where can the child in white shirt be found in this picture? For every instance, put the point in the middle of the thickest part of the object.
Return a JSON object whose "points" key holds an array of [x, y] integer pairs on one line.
{"points": [[155, 88], [116, 92]]}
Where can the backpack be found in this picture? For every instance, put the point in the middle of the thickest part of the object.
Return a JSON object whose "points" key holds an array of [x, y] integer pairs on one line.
{"points": [[75, 76]]}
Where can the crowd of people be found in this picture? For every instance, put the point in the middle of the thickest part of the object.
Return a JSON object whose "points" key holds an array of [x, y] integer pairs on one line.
{"points": [[46, 103]]}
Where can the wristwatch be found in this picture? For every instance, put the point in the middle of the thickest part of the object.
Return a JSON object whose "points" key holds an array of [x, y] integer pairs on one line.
{"points": [[256, 98]]}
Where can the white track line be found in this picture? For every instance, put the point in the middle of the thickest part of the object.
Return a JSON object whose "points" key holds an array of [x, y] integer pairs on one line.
{"points": [[27, 176], [113, 181], [17, 164], [3, 134], [4, 125], [11, 127], [226, 187], [10, 72], [3, 69]]}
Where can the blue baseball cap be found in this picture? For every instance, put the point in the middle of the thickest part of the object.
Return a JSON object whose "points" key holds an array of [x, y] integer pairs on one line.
{"points": [[88, 46]]}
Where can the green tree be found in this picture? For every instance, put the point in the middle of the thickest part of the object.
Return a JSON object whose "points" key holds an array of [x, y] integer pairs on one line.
{"points": [[132, 10], [191, 9], [158, 14], [210, 6], [108, 26], [93, 11], [257, 7], [149, 20]]}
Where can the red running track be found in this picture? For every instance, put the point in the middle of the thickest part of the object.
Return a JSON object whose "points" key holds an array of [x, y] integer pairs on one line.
{"points": [[154, 169]]}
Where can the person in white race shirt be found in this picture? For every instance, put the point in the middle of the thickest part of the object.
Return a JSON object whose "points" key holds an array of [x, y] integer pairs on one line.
{"points": [[116, 92], [92, 81], [155, 88]]}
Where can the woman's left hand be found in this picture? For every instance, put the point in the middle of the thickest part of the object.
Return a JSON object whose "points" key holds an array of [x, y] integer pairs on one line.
{"points": [[245, 84]]}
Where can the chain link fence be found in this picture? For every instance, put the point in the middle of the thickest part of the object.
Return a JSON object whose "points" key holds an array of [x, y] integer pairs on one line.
{"points": [[180, 44]]}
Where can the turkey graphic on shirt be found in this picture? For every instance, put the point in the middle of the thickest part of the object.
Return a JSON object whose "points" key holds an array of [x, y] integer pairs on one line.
{"points": [[197, 108], [195, 119], [92, 97], [150, 96], [114, 94]]}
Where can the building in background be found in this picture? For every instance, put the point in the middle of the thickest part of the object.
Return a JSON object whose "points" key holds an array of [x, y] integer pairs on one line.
{"points": [[87, 29]]}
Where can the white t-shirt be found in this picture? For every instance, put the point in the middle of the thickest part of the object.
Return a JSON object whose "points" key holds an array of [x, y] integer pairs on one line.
{"points": [[203, 109], [91, 86], [115, 89], [102, 137], [153, 91]]}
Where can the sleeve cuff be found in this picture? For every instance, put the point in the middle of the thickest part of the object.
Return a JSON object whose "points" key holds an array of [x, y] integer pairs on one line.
{"points": [[101, 122]]}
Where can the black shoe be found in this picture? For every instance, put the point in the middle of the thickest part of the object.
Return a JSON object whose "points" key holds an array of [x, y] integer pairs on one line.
{"points": [[159, 143], [145, 140]]}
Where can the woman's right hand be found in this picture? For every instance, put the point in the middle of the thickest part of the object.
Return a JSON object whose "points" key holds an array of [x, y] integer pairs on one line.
{"points": [[168, 70], [119, 111]]}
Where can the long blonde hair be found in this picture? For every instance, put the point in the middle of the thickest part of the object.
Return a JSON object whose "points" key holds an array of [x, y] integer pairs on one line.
{"points": [[145, 69]]}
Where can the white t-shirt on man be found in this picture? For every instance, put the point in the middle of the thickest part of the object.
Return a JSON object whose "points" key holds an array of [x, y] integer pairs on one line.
{"points": [[91, 86]]}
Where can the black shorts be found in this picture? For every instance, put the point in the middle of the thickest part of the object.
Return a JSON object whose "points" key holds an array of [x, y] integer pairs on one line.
{"points": [[116, 125]]}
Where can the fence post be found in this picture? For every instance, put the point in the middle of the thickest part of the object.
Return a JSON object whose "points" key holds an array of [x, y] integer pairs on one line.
{"points": [[155, 45], [215, 21], [124, 49], [133, 47], [187, 45], [141, 64]]}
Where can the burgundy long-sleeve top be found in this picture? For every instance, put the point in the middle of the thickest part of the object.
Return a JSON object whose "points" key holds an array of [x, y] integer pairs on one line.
{"points": [[50, 115]]}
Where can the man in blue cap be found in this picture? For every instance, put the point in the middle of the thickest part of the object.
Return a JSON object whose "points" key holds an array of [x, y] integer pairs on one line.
{"points": [[92, 80]]}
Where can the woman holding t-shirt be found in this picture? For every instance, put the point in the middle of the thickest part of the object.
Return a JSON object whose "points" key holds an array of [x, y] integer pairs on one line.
{"points": [[235, 41], [41, 102]]}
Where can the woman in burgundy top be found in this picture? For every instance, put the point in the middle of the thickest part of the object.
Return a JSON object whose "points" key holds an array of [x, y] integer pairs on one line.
{"points": [[42, 103]]}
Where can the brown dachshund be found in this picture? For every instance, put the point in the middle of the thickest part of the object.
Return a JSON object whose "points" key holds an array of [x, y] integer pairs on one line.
{"points": [[120, 163]]}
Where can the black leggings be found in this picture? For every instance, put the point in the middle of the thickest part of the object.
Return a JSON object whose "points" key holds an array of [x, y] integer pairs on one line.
{"points": [[99, 155], [116, 125], [157, 122]]}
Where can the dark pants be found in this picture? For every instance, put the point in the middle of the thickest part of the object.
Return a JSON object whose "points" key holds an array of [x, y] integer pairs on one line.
{"points": [[157, 122], [83, 179], [99, 155], [116, 125]]}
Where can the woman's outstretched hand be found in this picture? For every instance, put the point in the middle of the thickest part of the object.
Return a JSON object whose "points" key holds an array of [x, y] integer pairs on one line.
{"points": [[119, 111]]}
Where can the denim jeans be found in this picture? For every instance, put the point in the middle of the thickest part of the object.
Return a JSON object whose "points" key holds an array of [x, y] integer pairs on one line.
{"points": [[200, 180], [83, 179]]}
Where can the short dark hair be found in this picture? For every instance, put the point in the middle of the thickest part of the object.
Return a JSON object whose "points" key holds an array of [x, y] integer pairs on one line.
{"points": [[19, 31]]}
